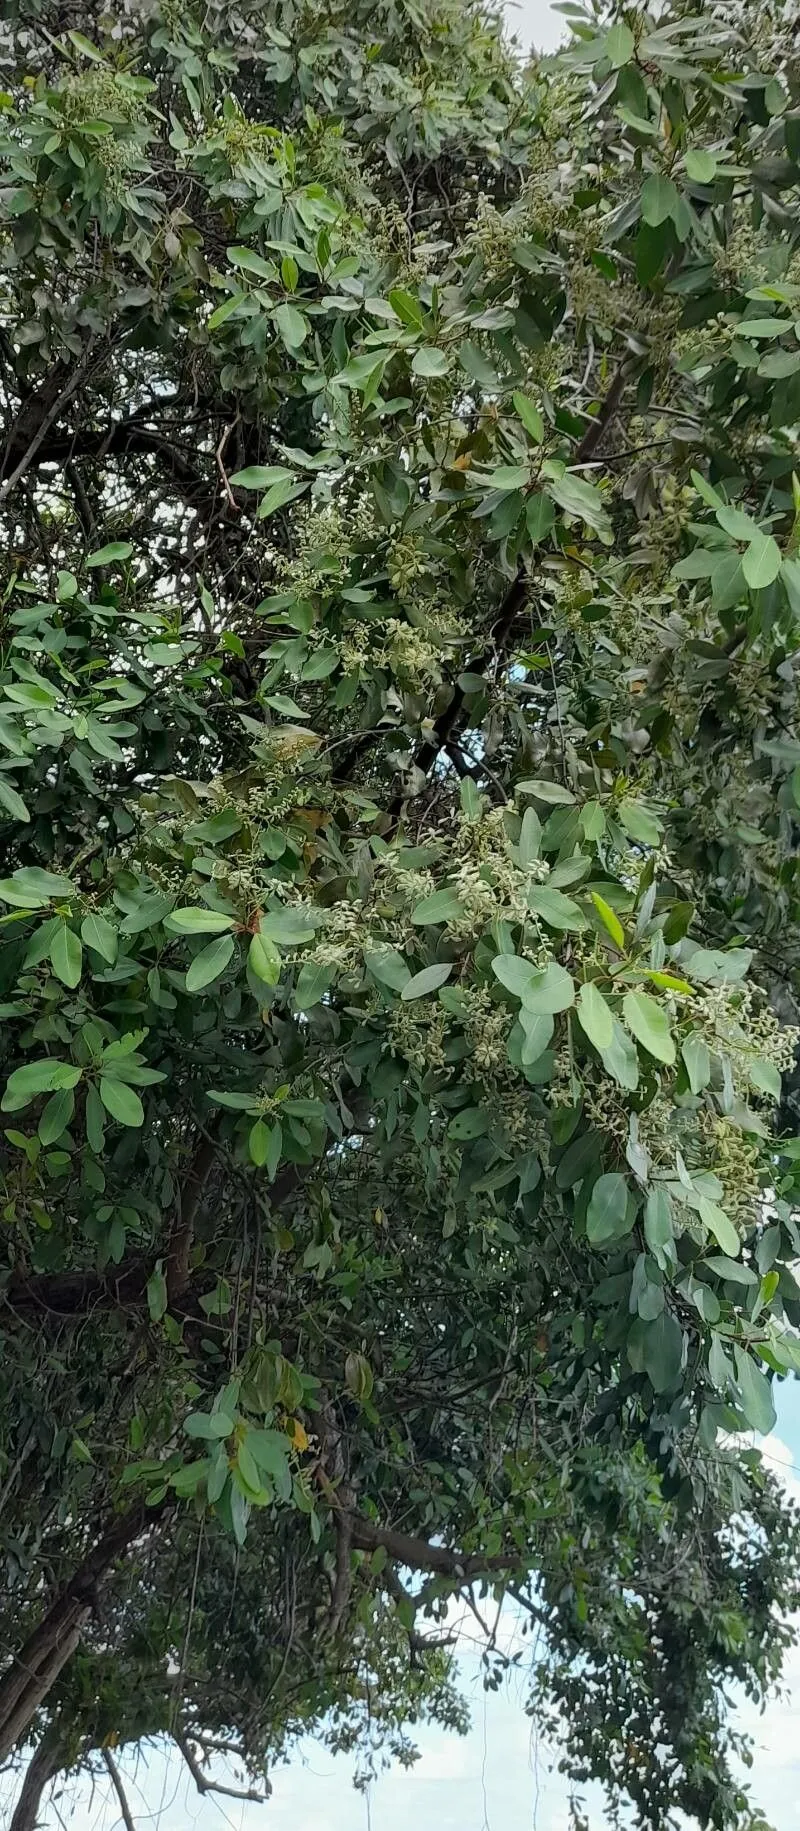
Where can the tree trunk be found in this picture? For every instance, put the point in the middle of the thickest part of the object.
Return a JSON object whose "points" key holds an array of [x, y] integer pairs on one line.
{"points": [[36, 1666], [44, 1763]]}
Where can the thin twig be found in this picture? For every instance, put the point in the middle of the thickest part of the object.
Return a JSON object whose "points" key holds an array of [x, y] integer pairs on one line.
{"points": [[219, 454]]}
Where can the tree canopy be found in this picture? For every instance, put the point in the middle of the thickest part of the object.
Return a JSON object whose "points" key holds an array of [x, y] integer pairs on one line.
{"points": [[399, 801]]}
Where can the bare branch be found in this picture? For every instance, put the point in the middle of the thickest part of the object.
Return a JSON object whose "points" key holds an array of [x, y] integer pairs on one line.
{"points": [[116, 1781], [204, 1785]]}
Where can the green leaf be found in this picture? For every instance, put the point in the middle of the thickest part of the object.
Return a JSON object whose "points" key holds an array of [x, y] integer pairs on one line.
{"points": [[226, 310], [85, 46], [31, 888], [388, 967], [578, 1159], [530, 838], [11, 801], [620, 1058], [610, 921], [116, 550], [697, 1062], [292, 324], [658, 1227], [552, 792], [289, 927], [270, 1450], [430, 361], [619, 45], [540, 516], [765, 1078], [209, 1426], [718, 1223], [557, 910], [209, 963], [428, 980], [715, 967], [514, 973], [99, 935], [37, 1078], [261, 476], [762, 562], [507, 477], [550, 991], [476, 365], [639, 823], [277, 498], [650, 1025], [250, 262], [264, 959], [471, 1122], [595, 1016], [66, 956], [198, 922], [701, 166], [121, 1102], [157, 1294], [442, 906], [471, 798], [663, 1352], [408, 309], [259, 1142], [313, 981], [607, 1216], [537, 1028], [530, 416], [95, 1120], [659, 199], [56, 1115], [755, 1393]]}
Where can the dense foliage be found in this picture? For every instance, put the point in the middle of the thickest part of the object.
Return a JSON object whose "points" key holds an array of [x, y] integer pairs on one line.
{"points": [[400, 783]]}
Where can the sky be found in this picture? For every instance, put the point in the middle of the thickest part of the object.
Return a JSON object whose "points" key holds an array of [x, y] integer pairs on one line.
{"points": [[496, 1778]]}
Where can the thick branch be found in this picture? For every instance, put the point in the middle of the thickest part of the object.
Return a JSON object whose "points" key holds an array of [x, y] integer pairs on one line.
{"points": [[43, 1765], [124, 1287], [36, 1666], [189, 1201], [420, 1554], [120, 439]]}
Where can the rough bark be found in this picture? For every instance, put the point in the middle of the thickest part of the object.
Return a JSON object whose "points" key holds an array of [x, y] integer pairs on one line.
{"points": [[43, 1765], [37, 1664]]}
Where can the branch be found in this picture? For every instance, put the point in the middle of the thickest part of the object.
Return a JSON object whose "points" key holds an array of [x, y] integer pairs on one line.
{"points": [[451, 721], [420, 1554], [204, 1785], [42, 410], [37, 1663], [116, 1781], [599, 426], [189, 1201]]}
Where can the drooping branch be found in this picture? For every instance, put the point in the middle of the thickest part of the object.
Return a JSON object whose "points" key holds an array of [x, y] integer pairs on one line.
{"points": [[204, 1785]]}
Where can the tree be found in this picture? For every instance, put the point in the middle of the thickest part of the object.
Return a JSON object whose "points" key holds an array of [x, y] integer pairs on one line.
{"points": [[400, 790]]}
